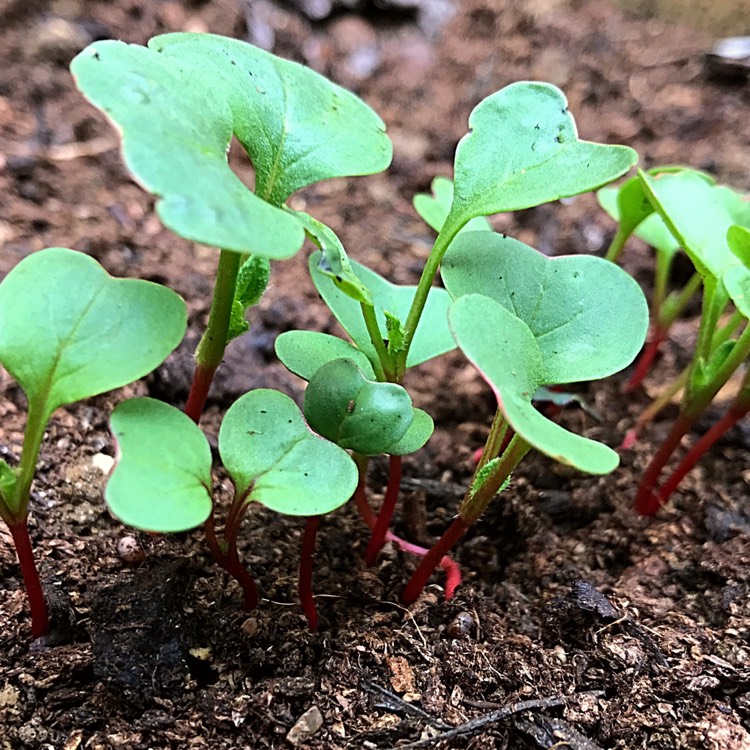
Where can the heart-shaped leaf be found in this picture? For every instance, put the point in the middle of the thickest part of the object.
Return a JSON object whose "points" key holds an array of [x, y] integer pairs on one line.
{"points": [[176, 125], [162, 480], [434, 209], [297, 127], [305, 352], [696, 213], [68, 330], [432, 337], [523, 150], [587, 316], [506, 352], [274, 458], [356, 413]]}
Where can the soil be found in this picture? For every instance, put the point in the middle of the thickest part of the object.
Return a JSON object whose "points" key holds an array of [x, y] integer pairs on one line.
{"points": [[623, 632]]}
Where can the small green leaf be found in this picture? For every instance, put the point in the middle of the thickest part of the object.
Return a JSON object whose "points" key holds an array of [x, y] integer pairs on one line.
{"points": [[484, 474], [176, 124], [588, 317], [297, 127], [162, 480], [738, 239], [8, 478], [523, 150], [305, 352], [68, 330], [434, 209], [419, 432], [275, 459], [506, 352], [737, 283], [252, 281], [697, 215], [432, 337], [333, 260], [356, 413], [394, 334]]}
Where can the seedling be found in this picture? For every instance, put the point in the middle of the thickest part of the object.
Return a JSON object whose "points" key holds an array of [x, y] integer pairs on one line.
{"points": [[703, 219], [162, 481], [630, 206], [69, 331]]}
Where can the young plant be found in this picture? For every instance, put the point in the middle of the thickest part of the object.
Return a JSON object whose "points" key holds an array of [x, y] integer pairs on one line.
{"points": [[178, 103], [162, 481], [630, 206], [703, 218], [522, 151], [69, 331]]}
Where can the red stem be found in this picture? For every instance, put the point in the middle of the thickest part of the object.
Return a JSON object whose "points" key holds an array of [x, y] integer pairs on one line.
{"points": [[230, 560], [452, 570], [646, 500], [37, 604], [421, 575], [202, 379], [656, 338], [306, 596], [729, 420], [377, 539]]}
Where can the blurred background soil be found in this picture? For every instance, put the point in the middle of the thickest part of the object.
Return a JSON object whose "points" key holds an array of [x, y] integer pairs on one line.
{"points": [[639, 628]]}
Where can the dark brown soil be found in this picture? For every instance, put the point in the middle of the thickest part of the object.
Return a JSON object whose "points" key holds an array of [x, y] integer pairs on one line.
{"points": [[638, 628]]}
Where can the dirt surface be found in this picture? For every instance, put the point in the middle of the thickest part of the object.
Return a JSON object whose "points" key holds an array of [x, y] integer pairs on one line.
{"points": [[622, 632]]}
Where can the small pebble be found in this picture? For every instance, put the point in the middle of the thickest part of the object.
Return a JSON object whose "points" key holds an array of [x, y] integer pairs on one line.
{"points": [[129, 550], [103, 462], [461, 625], [250, 627], [307, 724]]}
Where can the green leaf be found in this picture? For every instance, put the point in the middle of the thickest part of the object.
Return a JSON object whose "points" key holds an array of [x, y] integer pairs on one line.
{"points": [[333, 260], [394, 334], [8, 477], [252, 281], [68, 330], [356, 413], [434, 209], [419, 432], [587, 316], [162, 479], [485, 473], [738, 239], [523, 150], [297, 127], [737, 283], [629, 206], [506, 352], [697, 215], [305, 352], [432, 337], [272, 456], [176, 124]]}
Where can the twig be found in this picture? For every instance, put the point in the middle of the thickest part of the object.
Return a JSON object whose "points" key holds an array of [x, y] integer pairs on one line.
{"points": [[389, 701], [475, 725]]}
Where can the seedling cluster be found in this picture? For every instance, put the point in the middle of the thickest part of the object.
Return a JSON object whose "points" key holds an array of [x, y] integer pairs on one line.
{"points": [[528, 323]]}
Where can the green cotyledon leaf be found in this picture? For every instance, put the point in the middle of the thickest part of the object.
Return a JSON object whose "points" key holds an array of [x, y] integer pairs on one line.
{"points": [[432, 337], [275, 459], [305, 352], [588, 316], [356, 413], [176, 124], [297, 126], [162, 478], [69, 330], [505, 351], [523, 150]]}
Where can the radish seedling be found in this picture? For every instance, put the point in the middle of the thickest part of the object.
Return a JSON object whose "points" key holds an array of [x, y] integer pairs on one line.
{"points": [[69, 331]]}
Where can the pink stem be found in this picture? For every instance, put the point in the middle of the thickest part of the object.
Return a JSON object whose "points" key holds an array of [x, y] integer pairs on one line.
{"points": [[647, 501], [421, 575], [656, 338], [377, 539], [37, 604], [451, 568], [729, 420], [306, 573]]}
